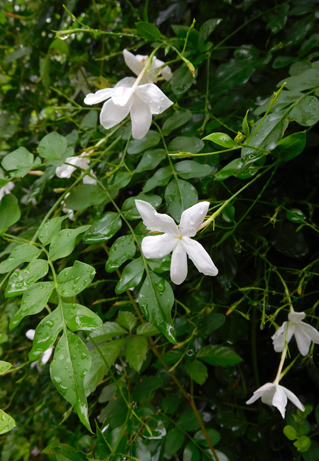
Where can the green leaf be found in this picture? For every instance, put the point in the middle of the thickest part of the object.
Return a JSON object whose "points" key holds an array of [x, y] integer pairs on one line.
{"points": [[151, 139], [290, 432], [170, 404], [191, 452], [286, 98], [6, 422], [211, 322], [119, 180], [136, 352], [228, 213], [313, 453], [68, 369], [221, 139], [179, 118], [145, 388], [64, 243], [20, 53], [303, 443], [306, 112], [305, 81], [4, 366], [238, 169], [23, 253], [295, 215], [182, 80], [79, 317], [33, 301], [127, 320], [48, 231], [308, 45], [245, 125], [59, 45], [146, 329], [131, 276], [277, 20], [160, 178], [102, 360], [148, 31], [20, 159], [84, 196], [103, 228], [230, 75], [122, 249], [129, 209], [150, 160], [53, 146], [197, 371], [213, 435], [156, 300], [64, 452], [188, 169], [186, 144], [173, 441], [218, 356], [9, 211], [188, 421], [160, 265], [107, 331], [46, 333], [206, 29], [179, 195], [291, 146], [73, 280], [21, 280]]}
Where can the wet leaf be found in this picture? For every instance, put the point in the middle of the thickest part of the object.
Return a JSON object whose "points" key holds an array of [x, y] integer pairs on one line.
{"points": [[107, 331], [179, 195], [103, 228], [78, 317], [151, 139], [84, 196], [64, 242], [23, 253], [219, 355], [122, 249], [9, 211], [21, 280], [131, 276], [136, 351], [6, 422], [127, 320], [46, 333], [197, 371]]}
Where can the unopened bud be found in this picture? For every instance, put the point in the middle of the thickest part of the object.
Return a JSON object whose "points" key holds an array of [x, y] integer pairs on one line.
{"points": [[239, 138]]}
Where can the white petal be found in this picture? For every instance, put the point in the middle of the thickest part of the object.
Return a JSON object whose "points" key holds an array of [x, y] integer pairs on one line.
{"points": [[89, 180], [280, 399], [199, 256], [46, 355], [99, 96], [135, 63], [30, 334], [259, 392], [127, 81], [179, 264], [293, 398], [296, 317], [158, 246], [167, 73], [279, 337], [310, 331], [156, 221], [141, 118], [303, 340], [111, 114], [192, 218], [154, 98], [122, 95]]}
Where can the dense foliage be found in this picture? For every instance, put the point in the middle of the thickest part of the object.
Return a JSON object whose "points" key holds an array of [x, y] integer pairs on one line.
{"points": [[124, 362]]}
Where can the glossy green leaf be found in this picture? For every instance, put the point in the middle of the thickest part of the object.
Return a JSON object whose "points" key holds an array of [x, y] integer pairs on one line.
{"points": [[68, 369], [179, 118], [23, 253], [179, 195], [129, 209], [219, 355], [303, 443], [173, 441], [245, 126], [48, 231], [64, 243], [197, 371], [122, 249], [33, 301], [107, 393], [186, 144], [103, 228], [78, 317], [188, 169], [147, 329], [160, 265], [73, 280], [304, 81], [151, 139], [131, 276], [295, 215], [230, 75], [84, 196], [102, 360], [148, 31], [182, 80], [308, 45], [9, 211], [46, 333], [127, 320], [6, 422], [228, 213], [291, 146], [20, 159], [119, 180], [206, 29], [221, 139], [238, 169], [156, 300], [150, 160], [160, 178], [191, 452], [107, 331], [52, 146], [306, 112], [21, 280], [4, 366], [136, 351], [276, 21], [145, 388], [286, 98], [213, 435], [211, 322], [290, 432]]}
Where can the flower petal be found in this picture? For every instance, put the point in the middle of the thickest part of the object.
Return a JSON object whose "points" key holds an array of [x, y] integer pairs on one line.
{"points": [[199, 256], [179, 264], [280, 399], [89, 180], [111, 114], [154, 98], [192, 218], [259, 392], [141, 118], [46, 355], [296, 317], [156, 221], [99, 96], [122, 95], [30, 334], [310, 331], [303, 340], [127, 81], [279, 337], [293, 398], [135, 63], [158, 246]]}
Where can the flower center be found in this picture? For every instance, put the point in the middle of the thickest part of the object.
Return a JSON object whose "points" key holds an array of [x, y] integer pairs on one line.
{"points": [[180, 237]]}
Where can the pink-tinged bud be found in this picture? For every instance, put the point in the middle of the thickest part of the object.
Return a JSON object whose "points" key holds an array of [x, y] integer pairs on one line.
{"points": [[36, 172]]}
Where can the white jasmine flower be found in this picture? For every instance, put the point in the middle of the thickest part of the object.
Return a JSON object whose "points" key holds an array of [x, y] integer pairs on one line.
{"points": [[66, 171], [26, 198], [89, 180], [6, 189], [137, 63], [303, 332], [45, 356], [176, 239], [276, 395], [67, 210], [141, 101]]}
